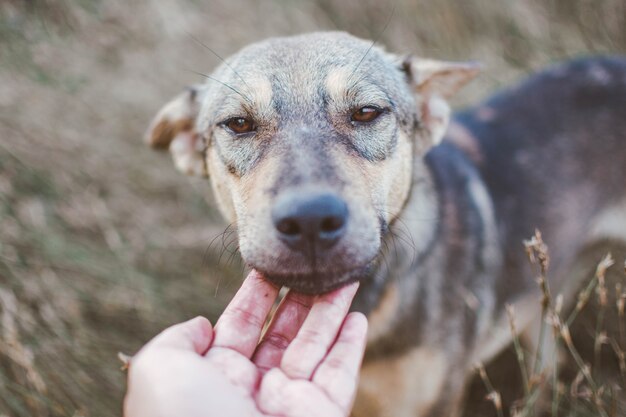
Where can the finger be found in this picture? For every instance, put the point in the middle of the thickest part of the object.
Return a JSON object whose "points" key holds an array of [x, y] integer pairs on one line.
{"points": [[317, 333], [193, 335], [282, 330], [278, 395], [234, 368], [338, 373], [239, 327]]}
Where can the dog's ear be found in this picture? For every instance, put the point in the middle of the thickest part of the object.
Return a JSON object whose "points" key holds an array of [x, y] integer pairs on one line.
{"points": [[174, 128], [434, 82]]}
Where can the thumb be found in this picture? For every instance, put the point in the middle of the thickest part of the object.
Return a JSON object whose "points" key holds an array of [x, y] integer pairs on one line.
{"points": [[194, 335]]}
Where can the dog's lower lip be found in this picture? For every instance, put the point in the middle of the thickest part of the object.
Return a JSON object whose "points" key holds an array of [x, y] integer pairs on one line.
{"points": [[316, 283], [310, 284]]}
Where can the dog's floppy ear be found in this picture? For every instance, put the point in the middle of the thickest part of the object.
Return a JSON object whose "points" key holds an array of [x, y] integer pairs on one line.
{"points": [[174, 128], [434, 82]]}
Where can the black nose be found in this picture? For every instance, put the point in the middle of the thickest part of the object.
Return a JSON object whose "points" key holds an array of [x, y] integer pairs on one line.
{"points": [[304, 220]]}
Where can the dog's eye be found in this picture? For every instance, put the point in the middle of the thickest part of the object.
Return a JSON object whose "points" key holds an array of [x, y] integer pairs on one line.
{"points": [[240, 125], [366, 114]]}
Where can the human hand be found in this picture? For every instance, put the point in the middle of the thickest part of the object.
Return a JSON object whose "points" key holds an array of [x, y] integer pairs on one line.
{"points": [[305, 365]]}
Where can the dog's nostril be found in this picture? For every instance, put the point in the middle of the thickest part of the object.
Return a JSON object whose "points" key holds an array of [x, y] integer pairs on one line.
{"points": [[332, 224], [288, 227], [317, 219]]}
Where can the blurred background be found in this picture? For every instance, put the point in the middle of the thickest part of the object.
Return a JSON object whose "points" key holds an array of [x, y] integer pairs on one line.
{"points": [[102, 242]]}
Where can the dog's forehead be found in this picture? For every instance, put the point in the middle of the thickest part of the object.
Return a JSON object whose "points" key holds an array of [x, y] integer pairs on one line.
{"points": [[322, 48], [301, 69]]}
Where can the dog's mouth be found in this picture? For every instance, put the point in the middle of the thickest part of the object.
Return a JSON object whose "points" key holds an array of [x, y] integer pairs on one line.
{"points": [[316, 283], [327, 272]]}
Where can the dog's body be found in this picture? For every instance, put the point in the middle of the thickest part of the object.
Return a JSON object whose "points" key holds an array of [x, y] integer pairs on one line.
{"points": [[549, 154], [434, 235]]}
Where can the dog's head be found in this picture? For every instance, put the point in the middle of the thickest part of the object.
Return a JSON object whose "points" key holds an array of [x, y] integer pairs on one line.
{"points": [[310, 143]]}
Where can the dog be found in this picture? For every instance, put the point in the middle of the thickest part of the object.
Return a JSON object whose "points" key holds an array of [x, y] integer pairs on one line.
{"points": [[339, 161]]}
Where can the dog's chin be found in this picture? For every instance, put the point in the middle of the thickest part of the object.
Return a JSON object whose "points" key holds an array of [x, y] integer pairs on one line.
{"points": [[315, 283]]}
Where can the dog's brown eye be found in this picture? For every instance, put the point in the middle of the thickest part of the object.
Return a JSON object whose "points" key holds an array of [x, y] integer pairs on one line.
{"points": [[240, 125], [366, 114]]}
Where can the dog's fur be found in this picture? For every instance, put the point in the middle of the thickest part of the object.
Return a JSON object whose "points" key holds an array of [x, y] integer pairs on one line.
{"points": [[435, 229]]}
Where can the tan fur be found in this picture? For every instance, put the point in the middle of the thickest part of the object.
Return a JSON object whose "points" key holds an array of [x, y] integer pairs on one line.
{"points": [[389, 181], [384, 384], [610, 223], [174, 128], [249, 198], [498, 335], [261, 92], [162, 134], [337, 82], [178, 115], [187, 153], [463, 138], [220, 182], [440, 77], [381, 319], [434, 82]]}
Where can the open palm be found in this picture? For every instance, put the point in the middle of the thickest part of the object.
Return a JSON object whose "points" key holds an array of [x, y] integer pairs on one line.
{"points": [[305, 364]]}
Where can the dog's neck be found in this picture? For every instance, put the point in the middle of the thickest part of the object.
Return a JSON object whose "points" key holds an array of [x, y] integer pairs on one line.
{"points": [[443, 244], [406, 242]]}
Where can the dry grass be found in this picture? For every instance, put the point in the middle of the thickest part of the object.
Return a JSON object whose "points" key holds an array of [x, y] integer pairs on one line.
{"points": [[579, 368], [101, 242]]}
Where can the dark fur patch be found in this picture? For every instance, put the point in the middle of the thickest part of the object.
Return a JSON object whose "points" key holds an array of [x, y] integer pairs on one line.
{"points": [[166, 130]]}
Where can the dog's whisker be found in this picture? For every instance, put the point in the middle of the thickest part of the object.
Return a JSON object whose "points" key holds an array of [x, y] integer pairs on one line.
{"points": [[233, 255], [395, 244], [384, 254], [407, 233], [393, 9], [228, 238], [230, 87], [217, 286], [226, 244], [226, 250], [399, 226], [212, 243], [228, 230], [411, 246], [208, 48]]}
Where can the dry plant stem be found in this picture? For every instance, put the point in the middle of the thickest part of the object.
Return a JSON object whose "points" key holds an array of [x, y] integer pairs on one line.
{"points": [[555, 383], [585, 294], [545, 308], [492, 394], [600, 337], [555, 321], [614, 403], [583, 298], [538, 354], [519, 352], [618, 347], [528, 409], [584, 369], [621, 300], [537, 252], [125, 359], [621, 356]]}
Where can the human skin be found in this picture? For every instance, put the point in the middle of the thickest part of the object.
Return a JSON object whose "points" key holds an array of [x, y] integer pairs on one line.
{"points": [[306, 363]]}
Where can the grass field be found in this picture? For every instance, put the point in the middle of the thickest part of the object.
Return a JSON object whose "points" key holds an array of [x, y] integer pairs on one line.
{"points": [[102, 243]]}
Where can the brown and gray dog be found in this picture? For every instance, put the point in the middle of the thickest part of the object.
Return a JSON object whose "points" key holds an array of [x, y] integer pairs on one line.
{"points": [[327, 153]]}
